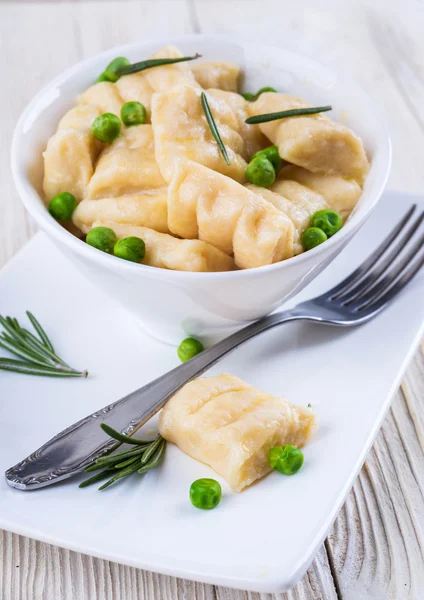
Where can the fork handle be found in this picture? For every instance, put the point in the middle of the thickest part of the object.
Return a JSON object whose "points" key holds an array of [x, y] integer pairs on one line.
{"points": [[70, 451]]}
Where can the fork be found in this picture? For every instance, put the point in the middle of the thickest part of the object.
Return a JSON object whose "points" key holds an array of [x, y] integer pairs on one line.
{"points": [[354, 301]]}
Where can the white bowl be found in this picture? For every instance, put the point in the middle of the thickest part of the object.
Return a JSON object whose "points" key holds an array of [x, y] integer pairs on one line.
{"points": [[173, 304]]}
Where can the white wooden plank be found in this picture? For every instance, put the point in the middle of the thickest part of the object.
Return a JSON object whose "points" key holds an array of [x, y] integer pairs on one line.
{"points": [[373, 41], [29, 64], [100, 26], [38, 41], [377, 543], [32, 570]]}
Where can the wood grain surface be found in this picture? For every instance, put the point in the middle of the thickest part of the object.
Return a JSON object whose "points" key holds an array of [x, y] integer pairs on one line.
{"points": [[375, 550]]}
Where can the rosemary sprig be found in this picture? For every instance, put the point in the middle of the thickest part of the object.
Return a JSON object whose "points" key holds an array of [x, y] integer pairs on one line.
{"points": [[144, 455], [293, 112], [213, 127], [153, 62], [38, 354], [121, 437]]}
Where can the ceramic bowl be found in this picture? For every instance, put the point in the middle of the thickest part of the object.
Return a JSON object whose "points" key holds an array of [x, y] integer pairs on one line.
{"points": [[172, 304]]}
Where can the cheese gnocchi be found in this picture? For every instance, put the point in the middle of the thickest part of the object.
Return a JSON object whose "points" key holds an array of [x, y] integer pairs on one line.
{"points": [[220, 75], [206, 205], [231, 426], [127, 186], [71, 153], [298, 202], [340, 193], [181, 131], [168, 252], [312, 141]]}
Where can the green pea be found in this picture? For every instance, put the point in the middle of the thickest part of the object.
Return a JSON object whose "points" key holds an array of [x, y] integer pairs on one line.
{"points": [[260, 171], [130, 248], [265, 89], [248, 96], [311, 237], [272, 154], [327, 220], [133, 113], [106, 127], [287, 459], [102, 238], [110, 71], [102, 77], [205, 493], [189, 348], [62, 206]]}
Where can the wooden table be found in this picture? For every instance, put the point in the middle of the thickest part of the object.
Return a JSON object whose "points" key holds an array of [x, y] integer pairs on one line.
{"points": [[375, 549]]}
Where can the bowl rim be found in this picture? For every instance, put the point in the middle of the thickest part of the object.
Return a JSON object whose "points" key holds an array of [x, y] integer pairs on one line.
{"points": [[31, 199]]}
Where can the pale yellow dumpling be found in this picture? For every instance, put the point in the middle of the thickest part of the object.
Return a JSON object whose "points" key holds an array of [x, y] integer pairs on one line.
{"points": [[341, 194], [80, 117], [209, 206], [181, 131], [167, 252], [298, 202], [105, 96], [219, 75], [147, 209], [136, 88], [231, 426], [314, 141], [141, 86], [168, 76], [70, 154], [127, 165], [127, 186], [252, 135]]}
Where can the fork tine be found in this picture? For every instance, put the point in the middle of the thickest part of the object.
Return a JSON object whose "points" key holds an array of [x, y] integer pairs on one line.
{"points": [[372, 259], [389, 281], [371, 280], [395, 288]]}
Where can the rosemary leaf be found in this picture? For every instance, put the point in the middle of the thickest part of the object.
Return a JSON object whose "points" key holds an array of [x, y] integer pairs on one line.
{"points": [[284, 114], [99, 477], [128, 462], [213, 127], [39, 356], [156, 459], [141, 457], [124, 473], [94, 467], [151, 450], [153, 62], [8, 344], [34, 343], [11, 330], [26, 368], [112, 459], [43, 336], [121, 437]]}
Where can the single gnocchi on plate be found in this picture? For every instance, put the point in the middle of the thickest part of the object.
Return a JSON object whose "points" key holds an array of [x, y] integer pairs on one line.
{"points": [[169, 150], [232, 426]]}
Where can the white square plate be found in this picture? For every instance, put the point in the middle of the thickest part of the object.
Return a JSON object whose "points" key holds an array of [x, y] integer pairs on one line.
{"points": [[262, 539]]}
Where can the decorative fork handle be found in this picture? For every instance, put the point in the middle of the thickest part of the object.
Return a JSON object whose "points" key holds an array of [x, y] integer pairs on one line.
{"points": [[70, 451]]}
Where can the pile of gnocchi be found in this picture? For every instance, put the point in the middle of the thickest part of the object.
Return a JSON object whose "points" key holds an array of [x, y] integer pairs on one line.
{"points": [[138, 168]]}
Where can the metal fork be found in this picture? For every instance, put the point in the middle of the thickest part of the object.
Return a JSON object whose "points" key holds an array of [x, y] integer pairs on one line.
{"points": [[356, 300]]}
